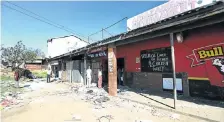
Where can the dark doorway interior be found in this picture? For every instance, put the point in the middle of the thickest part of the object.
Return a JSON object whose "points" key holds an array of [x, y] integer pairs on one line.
{"points": [[120, 70], [105, 72]]}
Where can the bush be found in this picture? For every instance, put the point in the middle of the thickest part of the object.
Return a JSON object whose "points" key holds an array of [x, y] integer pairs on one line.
{"points": [[40, 74]]}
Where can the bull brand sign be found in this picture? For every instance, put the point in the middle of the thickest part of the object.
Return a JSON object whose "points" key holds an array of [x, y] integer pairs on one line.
{"points": [[200, 55]]}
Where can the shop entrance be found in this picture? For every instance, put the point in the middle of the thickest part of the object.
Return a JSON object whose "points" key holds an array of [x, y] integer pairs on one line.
{"points": [[105, 72], [120, 71]]}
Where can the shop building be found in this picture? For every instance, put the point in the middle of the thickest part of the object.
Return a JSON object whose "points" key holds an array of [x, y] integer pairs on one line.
{"points": [[145, 54], [63, 46]]}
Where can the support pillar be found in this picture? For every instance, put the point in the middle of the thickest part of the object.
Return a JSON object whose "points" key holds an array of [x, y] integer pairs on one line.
{"points": [[84, 73], [112, 70]]}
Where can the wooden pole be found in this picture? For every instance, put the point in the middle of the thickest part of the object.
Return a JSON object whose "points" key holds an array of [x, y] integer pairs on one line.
{"points": [[102, 33], [174, 73]]}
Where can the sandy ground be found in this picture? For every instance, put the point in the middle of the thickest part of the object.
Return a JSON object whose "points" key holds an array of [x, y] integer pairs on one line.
{"points": [[56, 103]]}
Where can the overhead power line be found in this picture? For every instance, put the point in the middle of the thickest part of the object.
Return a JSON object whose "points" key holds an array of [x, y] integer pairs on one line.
{"points": [[47, 21], [108, 32], [104, 29], [115, 23]]}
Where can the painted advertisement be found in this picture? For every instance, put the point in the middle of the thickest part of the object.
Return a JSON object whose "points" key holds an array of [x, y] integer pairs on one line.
{"points": [[212, 56]]}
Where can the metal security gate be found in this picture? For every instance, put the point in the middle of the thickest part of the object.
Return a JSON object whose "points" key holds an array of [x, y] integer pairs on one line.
{"points": [[77, 71], [69, 71], [95, 69]]}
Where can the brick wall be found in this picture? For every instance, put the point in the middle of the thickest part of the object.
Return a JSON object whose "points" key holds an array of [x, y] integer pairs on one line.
{"points": [[34, 66]]}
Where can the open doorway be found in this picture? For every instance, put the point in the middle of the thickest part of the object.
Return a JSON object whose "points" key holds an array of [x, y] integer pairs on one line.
{"points": [[120, 71], [105, 72]]}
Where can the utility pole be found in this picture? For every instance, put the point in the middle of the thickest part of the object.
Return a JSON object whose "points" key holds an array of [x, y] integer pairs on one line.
{"points": [[102, 33], [174, 73]]}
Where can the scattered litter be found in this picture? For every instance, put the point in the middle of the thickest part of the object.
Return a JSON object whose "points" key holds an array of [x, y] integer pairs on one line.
{"points": [[93, 85], [102, 99], [106, 118], [76, 118], [90, 91]]}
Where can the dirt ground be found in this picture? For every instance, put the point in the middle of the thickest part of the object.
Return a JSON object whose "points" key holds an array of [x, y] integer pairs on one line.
{"points": [[56, 102]]}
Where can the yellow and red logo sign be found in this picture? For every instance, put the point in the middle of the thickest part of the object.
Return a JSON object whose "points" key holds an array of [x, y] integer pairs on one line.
{"points": [[200, 55]]}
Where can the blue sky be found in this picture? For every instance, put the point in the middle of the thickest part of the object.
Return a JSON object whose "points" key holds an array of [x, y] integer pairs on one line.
{"points": [[84, 18]]}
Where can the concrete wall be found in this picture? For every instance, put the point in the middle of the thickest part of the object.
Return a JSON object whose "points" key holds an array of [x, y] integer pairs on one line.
{"points": [[152, 82]]}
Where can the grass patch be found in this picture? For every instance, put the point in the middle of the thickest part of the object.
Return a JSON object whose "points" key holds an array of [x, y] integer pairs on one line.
{"points": [[7, 85], [6, 78], [40, 74]]}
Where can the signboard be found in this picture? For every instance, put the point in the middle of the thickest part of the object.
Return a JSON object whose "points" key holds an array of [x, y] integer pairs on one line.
{"points": [[156, 60], [98, 54], [200, 55], [164, 11], [168, 84], [137, 60], [54, 62], [98, 49]]}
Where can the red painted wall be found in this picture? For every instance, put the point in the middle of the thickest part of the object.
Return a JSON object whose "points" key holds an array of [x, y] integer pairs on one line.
{"points": [[194, 39]]}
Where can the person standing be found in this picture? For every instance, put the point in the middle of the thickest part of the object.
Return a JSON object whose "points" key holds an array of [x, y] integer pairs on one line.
{"points": [[49, 74], [100, 78], [119, 76], [89, 76]]}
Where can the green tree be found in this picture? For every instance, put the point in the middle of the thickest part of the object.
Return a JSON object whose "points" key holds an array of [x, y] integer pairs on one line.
{"points": [[18, 54]]}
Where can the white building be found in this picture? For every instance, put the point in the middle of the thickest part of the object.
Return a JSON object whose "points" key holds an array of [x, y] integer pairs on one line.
{"points": [[62, 45]]}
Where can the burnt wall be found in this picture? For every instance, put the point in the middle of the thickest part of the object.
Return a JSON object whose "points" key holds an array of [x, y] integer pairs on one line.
{"points": [[203, 88], [153, 81]]}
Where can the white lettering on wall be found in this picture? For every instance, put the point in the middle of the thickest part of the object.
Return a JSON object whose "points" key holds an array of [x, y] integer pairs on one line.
{"points": [[164, 11]]}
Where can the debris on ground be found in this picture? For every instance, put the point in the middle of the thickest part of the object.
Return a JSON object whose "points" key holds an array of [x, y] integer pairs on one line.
{"points": [[90, 91], [106, 118], [143, 121], [14, 97], [101, 100]]}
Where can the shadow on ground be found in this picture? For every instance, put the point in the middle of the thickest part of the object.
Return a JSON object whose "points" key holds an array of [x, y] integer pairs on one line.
{"points": [[169, 94]]}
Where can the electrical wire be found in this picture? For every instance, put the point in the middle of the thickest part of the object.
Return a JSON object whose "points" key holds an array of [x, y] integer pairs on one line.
{"points": [[108, 27], [45, 18], [47, 22], [108, 32], [115, 23]]}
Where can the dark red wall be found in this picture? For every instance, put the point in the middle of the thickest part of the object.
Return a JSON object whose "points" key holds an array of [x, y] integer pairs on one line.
{"points": [[194, 39]]}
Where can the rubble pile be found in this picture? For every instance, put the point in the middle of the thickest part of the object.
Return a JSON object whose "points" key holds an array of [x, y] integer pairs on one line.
{"points": [[100, 99], [16, 96], [92, 94], [10, 100]]}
